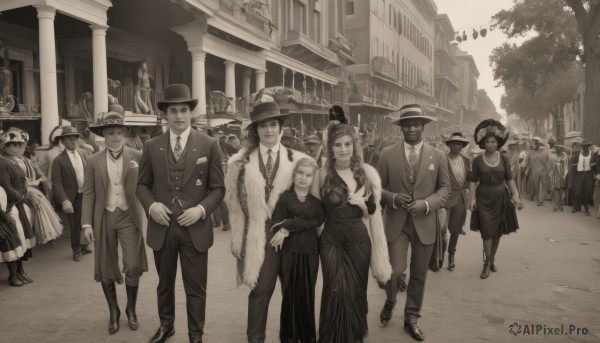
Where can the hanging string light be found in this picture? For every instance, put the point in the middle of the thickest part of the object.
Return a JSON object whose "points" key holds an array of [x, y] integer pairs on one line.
{"points": [[478, 31]]}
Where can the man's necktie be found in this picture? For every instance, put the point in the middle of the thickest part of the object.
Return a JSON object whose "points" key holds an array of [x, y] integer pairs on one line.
{"points": [[412, 157], [116, 154], [178, 150], [269, 164]]}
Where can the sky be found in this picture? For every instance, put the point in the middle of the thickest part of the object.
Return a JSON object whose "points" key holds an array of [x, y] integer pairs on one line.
{"points": [[468, 14]]}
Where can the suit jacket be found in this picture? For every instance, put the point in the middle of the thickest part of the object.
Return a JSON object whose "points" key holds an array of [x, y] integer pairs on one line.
{"points": [[202, 185], [458, 193], [64, 179], [432, 184], [96, 184]]}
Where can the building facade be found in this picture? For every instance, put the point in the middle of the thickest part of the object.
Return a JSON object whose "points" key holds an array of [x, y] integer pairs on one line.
{"points": [[394, 53], [70, 60], [467, 111]]}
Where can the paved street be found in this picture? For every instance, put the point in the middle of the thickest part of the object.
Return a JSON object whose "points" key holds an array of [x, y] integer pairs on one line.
{"points": [[549, 274]]}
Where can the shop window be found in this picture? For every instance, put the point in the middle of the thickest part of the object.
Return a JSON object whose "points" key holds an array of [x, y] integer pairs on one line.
{"points": [[349, 7]]}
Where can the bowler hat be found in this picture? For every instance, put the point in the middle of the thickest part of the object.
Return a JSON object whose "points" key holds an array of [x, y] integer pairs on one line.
{"points": [[265, 111], [177, 94], [108, 120], [412, 111], [68, 131], [458, 137]]}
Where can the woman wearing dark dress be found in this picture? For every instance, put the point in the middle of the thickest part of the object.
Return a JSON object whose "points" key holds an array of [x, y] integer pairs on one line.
{"points": [[296, 218], [492, 206], [351, 192], [14, 180]]}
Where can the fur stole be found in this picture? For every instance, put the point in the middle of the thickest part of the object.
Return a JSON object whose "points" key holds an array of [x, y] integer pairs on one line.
{"points": [[248, 234], [380, 259]]}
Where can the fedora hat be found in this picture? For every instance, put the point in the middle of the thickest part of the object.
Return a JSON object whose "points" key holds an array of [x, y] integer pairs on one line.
{"points": [[177, 94], [412, 111], [265, 111], [108, 120], [68, 131], [458, 137]]}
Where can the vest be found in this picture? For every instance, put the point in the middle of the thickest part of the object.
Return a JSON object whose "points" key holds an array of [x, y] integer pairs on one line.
{"points": [[411, 186], [176, 170], [263, 171]]}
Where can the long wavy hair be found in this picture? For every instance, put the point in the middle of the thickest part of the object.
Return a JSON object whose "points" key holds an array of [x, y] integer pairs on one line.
{"points": [[356, 161]]}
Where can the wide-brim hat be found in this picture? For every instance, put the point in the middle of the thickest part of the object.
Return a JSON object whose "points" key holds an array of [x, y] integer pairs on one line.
{"points": [[312, 139], [265, 111], [458, 137], [12, 136], [108, 120], [412, 111], [491, 127], [68, 131], [538, 139], [177, 94], [586, 142]]}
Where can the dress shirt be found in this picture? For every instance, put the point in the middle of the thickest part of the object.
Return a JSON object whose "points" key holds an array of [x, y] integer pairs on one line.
{"points": [[115, 197], [458, 169], [584, 162], [265, 155], [77, 163], [184, 138], [418, 147]]}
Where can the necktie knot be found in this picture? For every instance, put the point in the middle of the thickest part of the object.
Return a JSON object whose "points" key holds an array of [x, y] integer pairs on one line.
{"points": [[178, 149], [269, 152]]}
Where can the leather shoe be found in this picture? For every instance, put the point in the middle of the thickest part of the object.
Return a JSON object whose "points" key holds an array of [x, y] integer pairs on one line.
{"points": [[162, 334], [195, 339], [15, 282], [414, 331], [77, 256], [387, 311], [24, 277]]}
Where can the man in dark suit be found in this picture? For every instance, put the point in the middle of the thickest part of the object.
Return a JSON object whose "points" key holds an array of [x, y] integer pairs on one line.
{"points": [[180, 184], [583, 165], [68, 171], [415, 182]]}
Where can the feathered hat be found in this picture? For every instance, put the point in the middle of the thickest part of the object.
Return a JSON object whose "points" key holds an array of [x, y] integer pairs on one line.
{"points": [[491, 127]]}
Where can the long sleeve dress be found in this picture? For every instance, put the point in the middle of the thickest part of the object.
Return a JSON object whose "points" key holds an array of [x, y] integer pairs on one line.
{"points": [[299, 264], [345, 249]]}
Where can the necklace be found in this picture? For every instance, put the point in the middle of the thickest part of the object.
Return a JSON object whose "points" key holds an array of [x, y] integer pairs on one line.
{"points": [[494, 163], [301, 197], [342, 167]]}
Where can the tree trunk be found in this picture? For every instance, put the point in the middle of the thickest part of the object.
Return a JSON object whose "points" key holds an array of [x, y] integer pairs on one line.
{"points": [[591, 111]]}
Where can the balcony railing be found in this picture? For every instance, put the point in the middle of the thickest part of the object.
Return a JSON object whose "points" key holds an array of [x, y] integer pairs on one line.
{"points": [[384, 68], [246, 14], [134, 100]]}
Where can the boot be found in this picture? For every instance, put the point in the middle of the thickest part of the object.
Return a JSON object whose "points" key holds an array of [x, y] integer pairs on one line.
{"points": [[492, 266], [130, 310], [486, 270], [13, 280], [451, 262], [110, 293]]}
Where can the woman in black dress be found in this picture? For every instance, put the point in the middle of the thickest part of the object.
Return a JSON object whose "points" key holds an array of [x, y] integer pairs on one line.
{"points": [[492, 206], [351, 192], [14, 182], [296, 218]]}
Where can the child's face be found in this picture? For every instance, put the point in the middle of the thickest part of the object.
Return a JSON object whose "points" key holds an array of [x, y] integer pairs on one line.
{"points": [[303, 177]]}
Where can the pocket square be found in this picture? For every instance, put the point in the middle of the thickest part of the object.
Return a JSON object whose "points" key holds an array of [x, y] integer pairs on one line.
{"points": [[198, 182], [431, 167], [201, 160]]}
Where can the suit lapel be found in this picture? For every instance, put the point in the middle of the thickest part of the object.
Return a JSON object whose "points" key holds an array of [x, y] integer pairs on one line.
{"points": [[399, 158], [426, 160], [163, 158], [191, 155], [103, 168], [69, 164]]}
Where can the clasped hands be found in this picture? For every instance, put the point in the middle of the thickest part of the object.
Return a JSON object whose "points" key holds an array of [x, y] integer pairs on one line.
{"points": [[407, 202], [161, 214]]}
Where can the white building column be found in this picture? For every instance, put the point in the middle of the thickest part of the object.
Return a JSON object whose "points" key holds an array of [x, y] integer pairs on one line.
{"points": [[100, 69], [199, 83], [230, 82], [246, 80], [260, 79], [48, 84]]}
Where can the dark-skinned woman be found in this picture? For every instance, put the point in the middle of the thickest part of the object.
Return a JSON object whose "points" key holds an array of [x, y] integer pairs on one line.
{"points": [[493, 192]]}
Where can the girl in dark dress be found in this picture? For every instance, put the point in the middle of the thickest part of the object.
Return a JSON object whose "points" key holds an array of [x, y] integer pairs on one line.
{"points": [[492, 206], [13, 180], [296, 218], [351, 192]]}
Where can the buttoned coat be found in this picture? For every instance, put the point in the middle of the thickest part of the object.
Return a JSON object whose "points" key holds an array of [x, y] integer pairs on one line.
{"points": [[432, 184], [202, 185], [64, 178]]}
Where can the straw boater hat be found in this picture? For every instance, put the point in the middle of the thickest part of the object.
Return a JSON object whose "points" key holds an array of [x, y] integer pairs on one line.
{"points": [[458, 137], [412, 111], [177, 94], [108, 120], [68, 131], [265, 108]]}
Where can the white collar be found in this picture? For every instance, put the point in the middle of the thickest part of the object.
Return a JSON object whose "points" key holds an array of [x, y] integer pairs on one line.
{"points": [[417, 146], [184, 135], [274, 150]]}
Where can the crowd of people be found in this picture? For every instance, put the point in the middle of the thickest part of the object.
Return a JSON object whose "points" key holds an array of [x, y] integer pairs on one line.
{"points": [[290, 207]]}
